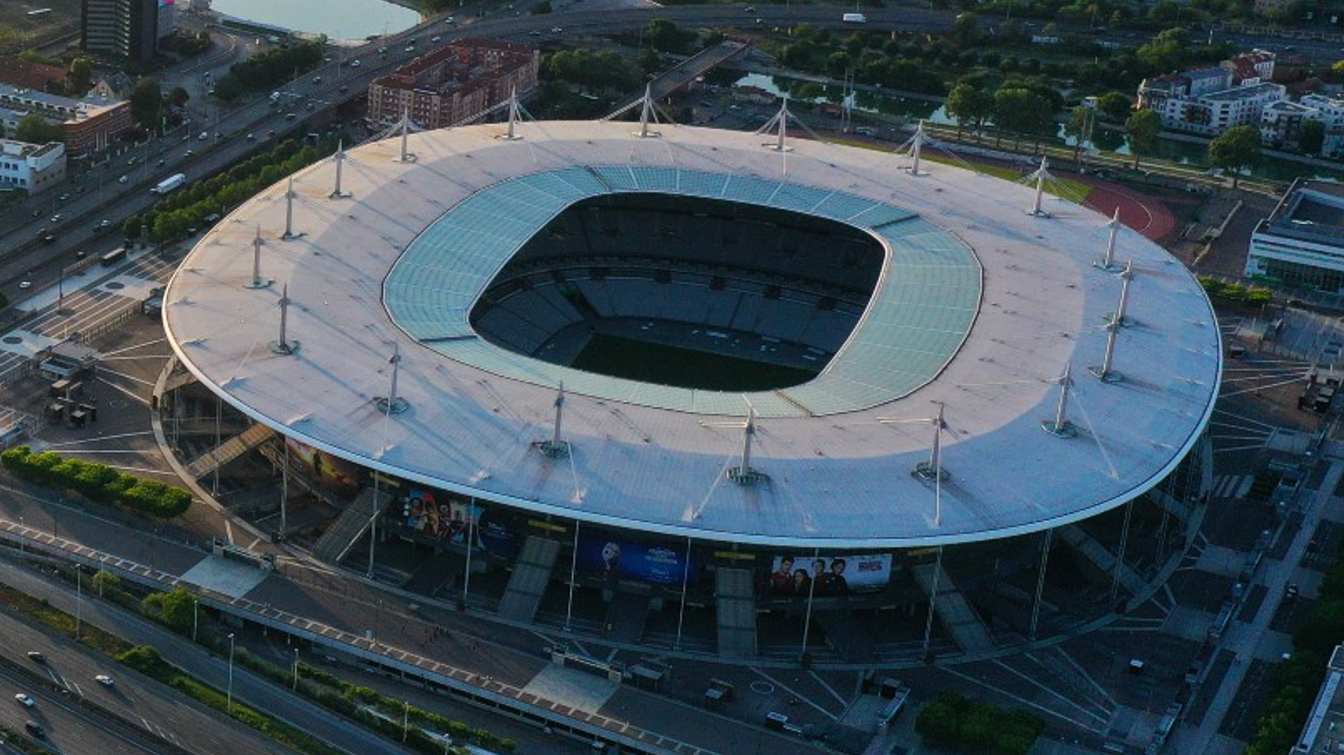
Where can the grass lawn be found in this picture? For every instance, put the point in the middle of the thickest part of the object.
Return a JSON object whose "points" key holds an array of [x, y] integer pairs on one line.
{"points": [[683, 368], [1066, 188]]}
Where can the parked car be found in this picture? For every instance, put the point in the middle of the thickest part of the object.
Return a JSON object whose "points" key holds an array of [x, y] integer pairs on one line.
{"points": [[24, 700]]}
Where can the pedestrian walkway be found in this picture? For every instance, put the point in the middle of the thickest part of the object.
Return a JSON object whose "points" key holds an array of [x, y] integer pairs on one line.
{"points": [[1232, 485]]}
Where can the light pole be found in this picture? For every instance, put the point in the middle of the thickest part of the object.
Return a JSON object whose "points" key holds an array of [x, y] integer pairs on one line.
{"points": [[230, 691], [79, 598], [195, 616], [296, 669]]}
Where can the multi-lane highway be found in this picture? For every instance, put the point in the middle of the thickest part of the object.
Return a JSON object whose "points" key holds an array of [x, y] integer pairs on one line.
{"points": [[162, 714], [247, 687]]}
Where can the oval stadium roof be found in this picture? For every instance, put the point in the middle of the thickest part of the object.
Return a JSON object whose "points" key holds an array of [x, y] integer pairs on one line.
{"points": [[979, 308]]}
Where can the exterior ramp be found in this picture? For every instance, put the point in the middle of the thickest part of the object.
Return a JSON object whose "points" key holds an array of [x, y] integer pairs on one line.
{"points": [[968, 630], [1095, 552], [348, 527], [530, 577], [229, 450], [736, 612]]}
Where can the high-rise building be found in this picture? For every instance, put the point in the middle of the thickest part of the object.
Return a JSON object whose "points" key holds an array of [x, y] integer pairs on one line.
{"points": [[121, 29]]}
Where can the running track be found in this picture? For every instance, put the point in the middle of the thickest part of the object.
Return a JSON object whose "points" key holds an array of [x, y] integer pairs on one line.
{"points": [[1144, 214]]}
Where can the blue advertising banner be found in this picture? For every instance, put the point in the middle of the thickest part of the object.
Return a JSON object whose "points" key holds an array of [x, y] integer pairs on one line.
{"points": [[659, 563]]}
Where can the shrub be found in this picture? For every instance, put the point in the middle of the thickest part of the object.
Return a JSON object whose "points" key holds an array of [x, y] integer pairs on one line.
{"points": [[98, 482]]}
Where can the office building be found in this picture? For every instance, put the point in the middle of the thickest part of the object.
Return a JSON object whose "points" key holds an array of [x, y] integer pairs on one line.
{"points": [[31, 167], [121, 30]]}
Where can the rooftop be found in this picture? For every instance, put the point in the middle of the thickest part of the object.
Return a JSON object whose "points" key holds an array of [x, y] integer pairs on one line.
{"points": [[1311, 210], [1238, 93], [457, 64], [14, 148], [644, 456], [21, 73], [68, 108]]}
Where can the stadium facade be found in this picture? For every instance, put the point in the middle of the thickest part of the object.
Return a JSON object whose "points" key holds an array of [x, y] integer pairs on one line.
{"points": [[692, 392]]}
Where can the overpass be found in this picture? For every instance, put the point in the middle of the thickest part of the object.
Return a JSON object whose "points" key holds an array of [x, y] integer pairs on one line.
{"points": [[687, 71]]}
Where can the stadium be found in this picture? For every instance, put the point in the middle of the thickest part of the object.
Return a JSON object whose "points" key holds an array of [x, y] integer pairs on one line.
{"points": [[693, 392]]}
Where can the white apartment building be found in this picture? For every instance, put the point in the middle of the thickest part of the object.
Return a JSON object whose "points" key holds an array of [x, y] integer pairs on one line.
{"points": [[31, 167], [1209, 101], [1331, 113]]}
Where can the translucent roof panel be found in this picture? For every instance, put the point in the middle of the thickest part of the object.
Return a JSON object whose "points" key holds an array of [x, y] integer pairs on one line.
{"points": [[918, 316]]}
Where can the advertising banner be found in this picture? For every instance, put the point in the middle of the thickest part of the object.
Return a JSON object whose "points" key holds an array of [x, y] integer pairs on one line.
{"points": [[793, 576], [658, 563], [436, 515], [331, 472]]}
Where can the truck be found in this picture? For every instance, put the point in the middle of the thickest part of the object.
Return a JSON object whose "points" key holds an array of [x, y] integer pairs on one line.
{"points": [[854, 18], [169, 184]]}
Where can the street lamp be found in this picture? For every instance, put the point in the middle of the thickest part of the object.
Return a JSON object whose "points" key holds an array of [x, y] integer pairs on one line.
{"points": [[230, 691], [79, 598], [195, 616], [296, 669]]}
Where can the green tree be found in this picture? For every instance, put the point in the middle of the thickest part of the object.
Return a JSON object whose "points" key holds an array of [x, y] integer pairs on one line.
{"points": [[178, 609], [966, 30], [79, 77], [1115, 106], [1142, 129], [665, 36], [1012, 111], [1165, 52], [131, 228], [1338, 68], [1235, 149], [35, 129], [146, 103], [962, 104], [1076, 128], [541, 8], [179, 96], [1312, 137], [650, 61]]}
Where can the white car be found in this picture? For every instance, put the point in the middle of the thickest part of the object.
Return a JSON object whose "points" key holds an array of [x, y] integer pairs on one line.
{"points": [[123, 180], [56, 218], [354, 63], [24, 285], [435, 39], [104, 680], [24, 700]]}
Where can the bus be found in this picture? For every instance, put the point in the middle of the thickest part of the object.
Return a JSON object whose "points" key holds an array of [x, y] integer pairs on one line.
{"points": [[114, 256]]}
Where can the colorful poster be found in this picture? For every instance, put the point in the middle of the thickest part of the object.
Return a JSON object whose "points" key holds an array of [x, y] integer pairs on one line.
{"points": [[437, 515], [331, 472], [834, 576], [659, 563]]}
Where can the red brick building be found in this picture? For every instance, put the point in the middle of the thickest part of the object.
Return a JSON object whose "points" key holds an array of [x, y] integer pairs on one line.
{"points": [[453, 83], [25, 75], [90, 123]]}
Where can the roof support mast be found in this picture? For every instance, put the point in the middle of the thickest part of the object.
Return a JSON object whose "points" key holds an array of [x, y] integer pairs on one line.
{"points": [[336, 193], [1060, 426], [289, 212], [257, 281], [1107, 262], [393, 403], [556, 448], [916, 146], [647, 113], [406, 155], [1121, 312], [1041, 174], [283, 345]]}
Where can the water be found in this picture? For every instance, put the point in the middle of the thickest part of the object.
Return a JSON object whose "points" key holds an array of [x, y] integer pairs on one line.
{"points": [[1103, 140], [338, 19]]}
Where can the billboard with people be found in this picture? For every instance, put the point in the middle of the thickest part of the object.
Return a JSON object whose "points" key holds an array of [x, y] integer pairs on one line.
{"points": [[659, 563], [437, 515], [828, 576]]}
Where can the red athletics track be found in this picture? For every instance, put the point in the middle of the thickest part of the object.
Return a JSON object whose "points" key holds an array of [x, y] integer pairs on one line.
{"points": [[1146, 215]]}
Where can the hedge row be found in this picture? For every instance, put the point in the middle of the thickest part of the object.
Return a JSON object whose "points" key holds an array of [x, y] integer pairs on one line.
{"points": [[1235, 292], [954, 722], [97, 481], [347, 699], [147, 661]]}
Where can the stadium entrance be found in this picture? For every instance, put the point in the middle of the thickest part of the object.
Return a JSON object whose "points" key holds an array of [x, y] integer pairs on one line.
{"points": [[684, 291]]}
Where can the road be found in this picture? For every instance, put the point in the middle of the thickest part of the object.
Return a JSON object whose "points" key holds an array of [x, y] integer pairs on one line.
{"points": [[1243, 638], [67, 727], [247, 687], [160, 710]]}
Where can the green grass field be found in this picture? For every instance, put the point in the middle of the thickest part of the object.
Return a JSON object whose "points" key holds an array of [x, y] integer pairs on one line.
{"points": [[683, 368]]}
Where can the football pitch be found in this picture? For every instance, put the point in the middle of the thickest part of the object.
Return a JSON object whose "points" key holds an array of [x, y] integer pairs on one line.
{"points": [[683, 368]]}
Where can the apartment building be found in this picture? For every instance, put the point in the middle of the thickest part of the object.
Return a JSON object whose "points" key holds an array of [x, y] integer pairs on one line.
{"points": [[454, 83]]}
